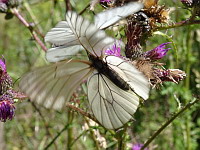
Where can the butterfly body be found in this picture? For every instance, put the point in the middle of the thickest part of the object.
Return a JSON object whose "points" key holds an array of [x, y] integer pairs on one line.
{"points": [[103, 68]]}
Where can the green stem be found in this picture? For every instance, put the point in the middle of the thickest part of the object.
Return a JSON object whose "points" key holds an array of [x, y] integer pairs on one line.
{"points": [[45, 123], [178, 24], [188, 133], [28, 26], [33, 17], [187, 82], [120, 137], [82, 112], [84, 132], [68, 5], [59, 133], [168, 122], [70, 130], [188, 63], [86, 7], [120, 143]]}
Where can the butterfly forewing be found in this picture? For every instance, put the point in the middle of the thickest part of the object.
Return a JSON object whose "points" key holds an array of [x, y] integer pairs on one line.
{"points": [[76, 31], [112, 106], [109, 17], [62, 34], [53, 85]]}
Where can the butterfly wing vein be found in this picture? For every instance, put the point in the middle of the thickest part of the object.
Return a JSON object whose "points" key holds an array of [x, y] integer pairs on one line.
{"points": [[51, 86], [112, 106]]}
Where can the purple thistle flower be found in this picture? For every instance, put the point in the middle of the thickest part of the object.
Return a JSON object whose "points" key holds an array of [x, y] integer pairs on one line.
{"points": [[107, 1], [7, 95], [2, 65], [5, 5], [138, 147], [114, 51], [7, 110], [158, 52], [5, 79]]}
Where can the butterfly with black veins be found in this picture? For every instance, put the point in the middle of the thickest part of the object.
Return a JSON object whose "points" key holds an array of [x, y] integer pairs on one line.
{"points": [[114, 85]]}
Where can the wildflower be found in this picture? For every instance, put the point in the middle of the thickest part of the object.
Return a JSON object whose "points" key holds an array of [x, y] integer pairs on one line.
{"points": [[6, 4], [115, 50], [140, 26], [137, 27], [173, 75], [99, 138], [107, 1], [156, 13], [157, 53], [5, 79], [6, 108], [138, 147], [7, 94], [2, 66]]}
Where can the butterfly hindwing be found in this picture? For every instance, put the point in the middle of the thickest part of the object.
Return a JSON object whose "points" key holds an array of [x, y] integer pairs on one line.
{"points": [[112, 106], [136, 79]]}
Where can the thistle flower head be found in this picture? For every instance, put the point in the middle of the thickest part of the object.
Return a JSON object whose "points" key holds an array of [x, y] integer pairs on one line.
{"points": [[158, 52], [6, 4], [7, 108], [7, 94], [169, 75], [5, 79], [156, 13], [114, 50], [136, 32], [107, 1], [173, 75], [138, 146], [2, 66]]}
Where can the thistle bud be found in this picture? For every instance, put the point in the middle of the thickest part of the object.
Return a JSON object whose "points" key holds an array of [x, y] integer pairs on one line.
{"points": [[6, 108]]}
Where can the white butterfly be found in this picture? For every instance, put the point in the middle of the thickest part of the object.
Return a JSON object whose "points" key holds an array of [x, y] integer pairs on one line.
{"points": [[114, 85]]}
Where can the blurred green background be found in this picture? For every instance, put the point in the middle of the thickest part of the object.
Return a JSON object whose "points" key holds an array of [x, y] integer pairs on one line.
{"points": [[31, 130]]}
